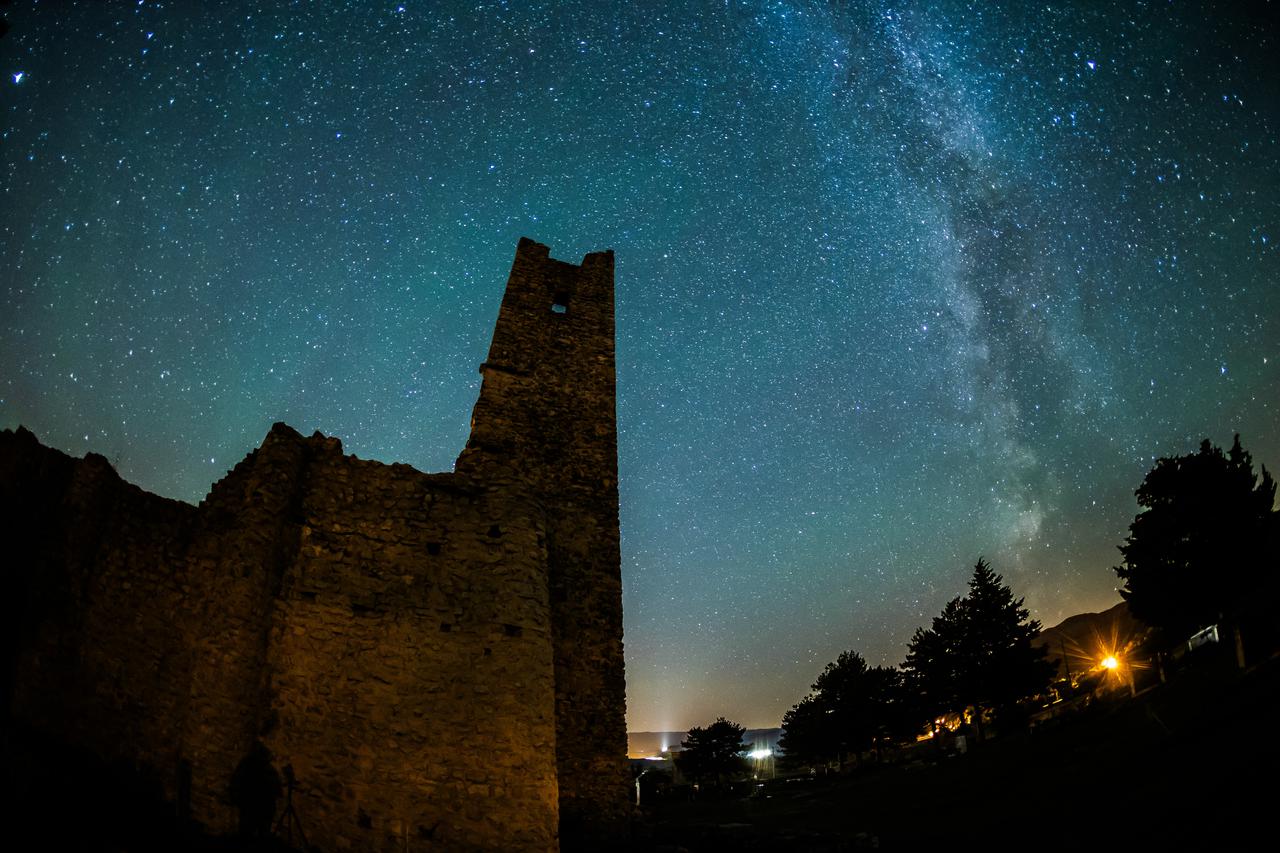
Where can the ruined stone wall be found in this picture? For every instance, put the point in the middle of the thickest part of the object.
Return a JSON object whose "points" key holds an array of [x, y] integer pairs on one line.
{"points": [[385, 632], [412, 683], [244, 544], [437, 656], [95, 589]]}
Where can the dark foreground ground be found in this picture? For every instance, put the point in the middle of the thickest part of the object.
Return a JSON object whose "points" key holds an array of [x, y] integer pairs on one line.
{"points": [[1190, 765]]}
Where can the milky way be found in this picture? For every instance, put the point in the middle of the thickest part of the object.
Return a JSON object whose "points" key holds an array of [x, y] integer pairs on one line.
{"points": [[899, 285]]}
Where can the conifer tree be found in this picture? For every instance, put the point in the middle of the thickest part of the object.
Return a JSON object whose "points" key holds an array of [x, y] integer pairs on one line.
{"points": [[853, 706], [806, 734], [713, 753], [1003, 666], [932, 667], [1205, 542], [978, 652]]}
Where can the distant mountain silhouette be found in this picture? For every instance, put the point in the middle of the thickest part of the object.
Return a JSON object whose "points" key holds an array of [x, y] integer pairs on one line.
{"points": [[1087, 638]]}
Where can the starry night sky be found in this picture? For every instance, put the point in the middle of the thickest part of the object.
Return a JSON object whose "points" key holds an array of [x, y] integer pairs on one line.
{"points": [[899, 284]]}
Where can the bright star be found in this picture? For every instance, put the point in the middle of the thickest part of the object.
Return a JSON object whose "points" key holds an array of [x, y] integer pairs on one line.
{"points": [[18, 75]]}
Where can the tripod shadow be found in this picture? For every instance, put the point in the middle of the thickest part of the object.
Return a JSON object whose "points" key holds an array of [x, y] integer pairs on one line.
{"points": [[255, 790], [289, 820]]}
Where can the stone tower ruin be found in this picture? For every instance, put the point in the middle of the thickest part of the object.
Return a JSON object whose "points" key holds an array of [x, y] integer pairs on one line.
{"points": [[546, 416], [437, 657]]}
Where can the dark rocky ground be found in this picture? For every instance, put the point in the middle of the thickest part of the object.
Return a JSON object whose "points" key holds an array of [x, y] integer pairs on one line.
{"points": [[1191, 765]]}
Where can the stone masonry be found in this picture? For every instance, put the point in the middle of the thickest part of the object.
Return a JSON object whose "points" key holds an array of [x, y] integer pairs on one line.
{"points": [[437, 656]]}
